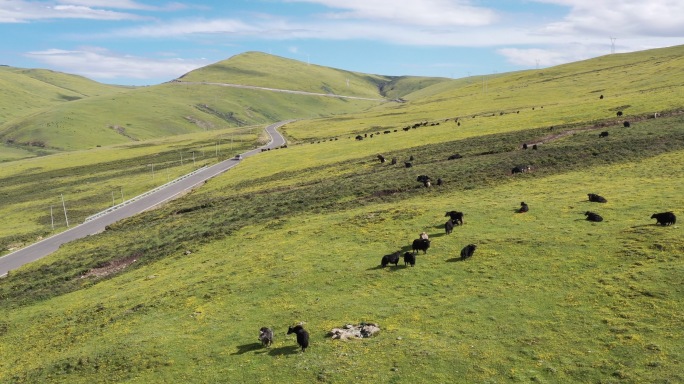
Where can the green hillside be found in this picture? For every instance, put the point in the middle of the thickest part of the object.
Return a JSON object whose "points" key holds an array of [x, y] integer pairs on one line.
{"points": [[178, 294], [187, 106], [637, 84], [23, 91], [262, 70], [26, 92]]}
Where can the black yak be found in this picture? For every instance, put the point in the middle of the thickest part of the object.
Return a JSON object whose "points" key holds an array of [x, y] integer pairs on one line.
{"points": [[302, 336], [409, 258], [381, 158], [603, 134], [456, 217], [449, 226], [420, 245], [454, 156], [592, 216], [626, 124], [266, 336], [523, 207], [594, 198], [520, 169], [390, 259], [468, 251], [664, 218]]}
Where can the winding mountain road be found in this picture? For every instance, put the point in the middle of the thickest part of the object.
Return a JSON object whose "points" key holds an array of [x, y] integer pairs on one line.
{"points": [[96, 225]]}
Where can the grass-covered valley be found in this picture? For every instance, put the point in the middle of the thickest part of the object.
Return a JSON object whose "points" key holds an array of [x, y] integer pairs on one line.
{"points": [[178, 294]]}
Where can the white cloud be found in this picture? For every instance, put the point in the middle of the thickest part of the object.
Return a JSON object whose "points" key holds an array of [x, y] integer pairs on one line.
{"points": [[101, 64], [432, 13], [620, 18], [545, 57], [181, 28], [19, 11]]}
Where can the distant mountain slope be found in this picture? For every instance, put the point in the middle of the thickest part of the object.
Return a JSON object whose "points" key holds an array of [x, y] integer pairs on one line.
{"points": [[635, 84], [189, 104], [24, 91], [260, 69]]}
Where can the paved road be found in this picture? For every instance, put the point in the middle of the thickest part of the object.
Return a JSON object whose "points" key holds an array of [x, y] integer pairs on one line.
{"points": [[47, 246]]}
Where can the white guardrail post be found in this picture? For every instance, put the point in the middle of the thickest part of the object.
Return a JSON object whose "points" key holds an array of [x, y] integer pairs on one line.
{"points": [[114, 208]]}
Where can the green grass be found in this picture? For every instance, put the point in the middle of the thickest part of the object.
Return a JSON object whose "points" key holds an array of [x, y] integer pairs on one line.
{"points": [[547, 295], [91, 181], [296, 235]]}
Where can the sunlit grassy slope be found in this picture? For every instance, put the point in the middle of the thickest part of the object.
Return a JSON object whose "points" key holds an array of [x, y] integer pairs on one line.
{"points": [[636, 84], [178, 107], [262, 70], [297, 234], [26, 90]]}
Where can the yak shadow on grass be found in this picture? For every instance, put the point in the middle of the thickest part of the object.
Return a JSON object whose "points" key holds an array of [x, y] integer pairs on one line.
{"points": [[454, 260], [391, 268], [287, 350], [247, 348], [647, 225]]}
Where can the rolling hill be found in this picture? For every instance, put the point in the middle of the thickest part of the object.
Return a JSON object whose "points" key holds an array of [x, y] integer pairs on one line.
{"points": [[178, 294], [198, 101]]}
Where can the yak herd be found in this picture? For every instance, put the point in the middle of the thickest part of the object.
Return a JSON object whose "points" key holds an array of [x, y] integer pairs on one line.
{"points": [[266, 336], [456, 218]]}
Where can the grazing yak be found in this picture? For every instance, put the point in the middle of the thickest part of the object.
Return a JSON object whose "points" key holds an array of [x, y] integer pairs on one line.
{"points": [[266, 336], [524, 146], [664, 218], [523, 207], [407, 164], [603, 134], [520, 169], [534, 146], [592, 216], [455, 156], [381, 158], [423, 179], [468, 251], [409, 258], [439, 181], [390, 259], [420, 245], [394, 161], [594, 198], [448, 227], [619, 113], [456, 217], [626, 124], [302, 336]]}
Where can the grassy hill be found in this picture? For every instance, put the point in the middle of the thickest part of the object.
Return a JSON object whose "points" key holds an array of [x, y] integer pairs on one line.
{"points": [[25, 92], [296, 235], [190, 105], [637, 84]]}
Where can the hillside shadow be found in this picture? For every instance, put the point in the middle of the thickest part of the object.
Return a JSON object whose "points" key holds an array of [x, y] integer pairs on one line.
{"points": [[283, 351], [247, 348]]}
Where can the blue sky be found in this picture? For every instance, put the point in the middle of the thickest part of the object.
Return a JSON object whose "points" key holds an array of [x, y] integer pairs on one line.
{"points": [[144, 42]]}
